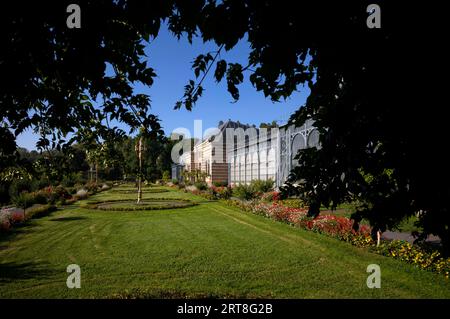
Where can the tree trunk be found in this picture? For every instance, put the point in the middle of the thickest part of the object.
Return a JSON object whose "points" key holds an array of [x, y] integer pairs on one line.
{"points": [[96, 173], [378, 238], [139, 149]]}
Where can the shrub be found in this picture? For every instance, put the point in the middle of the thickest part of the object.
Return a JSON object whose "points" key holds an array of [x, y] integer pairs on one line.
{"points": [[41, 183], [68, 180], [23, 200], [19, 186], [41, 197], [71, 190], [220, 184], [17, 217], [51, 195], [40, 211], [78, 186], [201, 186], [62, 192], [271, 196], [181, 185], [223, 192], [91, 187], [262, 186], [71, 179], [293, 202], [166, 176], [175, 181], [211, 193], [244, 192], [216, 193], [11, 216]]}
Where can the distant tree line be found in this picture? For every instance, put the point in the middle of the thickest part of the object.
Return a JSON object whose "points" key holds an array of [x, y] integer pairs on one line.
{"points": [[80, 164]]}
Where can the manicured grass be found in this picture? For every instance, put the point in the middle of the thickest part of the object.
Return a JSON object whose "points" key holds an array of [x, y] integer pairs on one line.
{"points": [[205, 250]]}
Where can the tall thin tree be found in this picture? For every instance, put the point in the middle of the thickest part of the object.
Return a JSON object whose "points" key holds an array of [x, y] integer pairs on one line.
{"points": [[139, 149]]}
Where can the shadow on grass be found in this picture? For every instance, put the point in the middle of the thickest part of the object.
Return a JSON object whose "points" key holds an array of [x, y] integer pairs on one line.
{"points": [[67, 219], [24, 228], [15, 271]]}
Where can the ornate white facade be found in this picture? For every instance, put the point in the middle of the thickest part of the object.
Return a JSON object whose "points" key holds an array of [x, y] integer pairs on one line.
{"points": [[271, 155], [240, 153]]}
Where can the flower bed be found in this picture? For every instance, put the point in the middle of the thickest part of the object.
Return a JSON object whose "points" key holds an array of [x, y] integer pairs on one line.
{"points": [[338, 227], [271, 196], [430, 260], [342, 228], [11, 216], [270, 205]]}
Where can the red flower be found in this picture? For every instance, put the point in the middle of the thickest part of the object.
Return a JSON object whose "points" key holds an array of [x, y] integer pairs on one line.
{"points": [[17, 217]]}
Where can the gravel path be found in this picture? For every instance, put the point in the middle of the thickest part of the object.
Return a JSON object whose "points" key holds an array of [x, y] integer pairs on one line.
{"points": [[390, 235]]}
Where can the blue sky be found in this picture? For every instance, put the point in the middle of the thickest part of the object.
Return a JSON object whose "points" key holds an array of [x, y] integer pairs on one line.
{"points": [[171, 58]]}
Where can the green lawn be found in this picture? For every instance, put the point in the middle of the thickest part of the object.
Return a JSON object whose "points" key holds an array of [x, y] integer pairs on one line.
{"points": [[205, 250]]}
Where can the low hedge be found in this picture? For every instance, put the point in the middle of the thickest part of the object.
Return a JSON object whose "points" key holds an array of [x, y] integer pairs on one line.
{"points": [[134, 191], [40, 211], [96, 204], [9, 217]]}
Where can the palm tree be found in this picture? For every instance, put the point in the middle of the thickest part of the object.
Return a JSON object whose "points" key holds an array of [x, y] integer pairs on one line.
{"points": [[140, 148]]}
